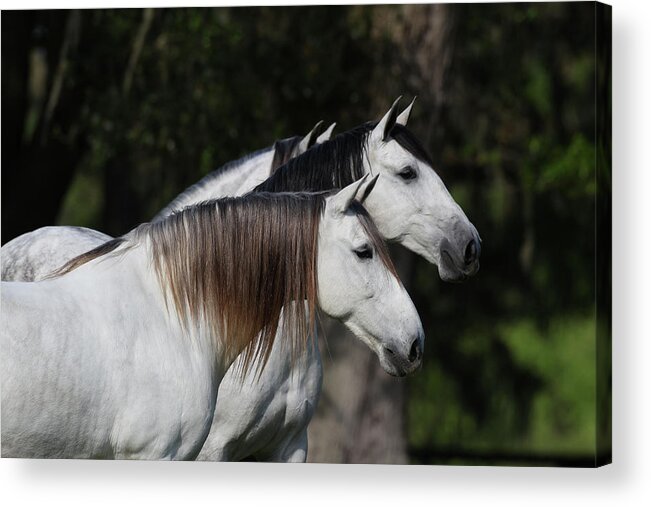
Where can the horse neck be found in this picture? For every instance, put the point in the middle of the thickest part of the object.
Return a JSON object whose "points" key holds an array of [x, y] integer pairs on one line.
{"points": [[129, 282], [198, 333], [232, 179]]}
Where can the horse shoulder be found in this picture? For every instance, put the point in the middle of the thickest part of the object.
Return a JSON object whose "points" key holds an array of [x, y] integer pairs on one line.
{"points": [[293, 407], [257, 416], [98, 364], [46, 375]]}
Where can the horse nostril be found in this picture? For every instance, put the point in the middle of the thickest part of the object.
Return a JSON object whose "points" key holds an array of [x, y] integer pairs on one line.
{"points": [[414, 352], [470, 254], [389, 351]]}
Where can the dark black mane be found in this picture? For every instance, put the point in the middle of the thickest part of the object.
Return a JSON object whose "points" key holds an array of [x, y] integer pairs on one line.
{"points": [[335, 163], [410, 142]]}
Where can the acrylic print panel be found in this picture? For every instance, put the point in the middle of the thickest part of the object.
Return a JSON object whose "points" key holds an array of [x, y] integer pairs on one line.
{"points": [[152, 310]]}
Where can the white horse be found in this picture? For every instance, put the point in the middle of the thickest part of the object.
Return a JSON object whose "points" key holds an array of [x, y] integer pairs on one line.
{"points": [[267, 418], [113, 359]]}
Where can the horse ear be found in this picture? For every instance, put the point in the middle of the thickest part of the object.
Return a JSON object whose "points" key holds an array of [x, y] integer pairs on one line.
{"points": [[345, 197], [384, 126], [403, 117], [307, 142], [367, 188], [327, 134]]}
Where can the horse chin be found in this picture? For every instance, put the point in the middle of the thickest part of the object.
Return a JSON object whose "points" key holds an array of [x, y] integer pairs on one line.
{"points": [[450, 271], [397, 368], [385, 361], [391, 369], [451, 275]]}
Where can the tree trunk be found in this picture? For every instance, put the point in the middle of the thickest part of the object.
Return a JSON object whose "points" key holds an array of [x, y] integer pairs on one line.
{"points": [[362, 414]]}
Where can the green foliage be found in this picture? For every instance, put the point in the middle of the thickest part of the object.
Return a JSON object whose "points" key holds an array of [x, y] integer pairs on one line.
{"points": [[511, 354], [548, 410], [570, 169]]}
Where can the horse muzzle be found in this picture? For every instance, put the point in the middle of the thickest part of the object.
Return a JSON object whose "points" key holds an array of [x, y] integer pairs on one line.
{"points": [[400, 363], [458, 264]]}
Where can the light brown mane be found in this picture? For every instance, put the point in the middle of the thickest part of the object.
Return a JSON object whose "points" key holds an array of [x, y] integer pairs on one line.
{"points": [[236, 263], [98, 251]]}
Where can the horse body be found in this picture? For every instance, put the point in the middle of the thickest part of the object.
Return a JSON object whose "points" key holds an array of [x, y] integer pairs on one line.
{"points": [[68, 383]]}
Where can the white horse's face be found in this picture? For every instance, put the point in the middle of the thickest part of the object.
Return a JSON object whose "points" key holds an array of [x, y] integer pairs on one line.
{"points": [[412, 206], [357, 288]]}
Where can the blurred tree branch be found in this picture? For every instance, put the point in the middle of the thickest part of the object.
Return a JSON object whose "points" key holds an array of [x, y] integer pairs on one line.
{"points": [[136, 49]]}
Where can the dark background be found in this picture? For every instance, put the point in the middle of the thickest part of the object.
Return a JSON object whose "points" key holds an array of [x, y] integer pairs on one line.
{"points": [[108, 114]]}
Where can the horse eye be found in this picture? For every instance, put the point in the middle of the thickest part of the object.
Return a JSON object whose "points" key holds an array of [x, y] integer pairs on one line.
{"points": [[364, 253], [408, 173]]}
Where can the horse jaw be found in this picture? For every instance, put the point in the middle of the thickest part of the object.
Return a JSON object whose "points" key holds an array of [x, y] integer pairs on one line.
{"points": [[364, 295]]}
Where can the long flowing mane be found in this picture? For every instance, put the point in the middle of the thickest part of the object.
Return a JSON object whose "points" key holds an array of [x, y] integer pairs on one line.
{"points": [[235, 263], [335, 163]]}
